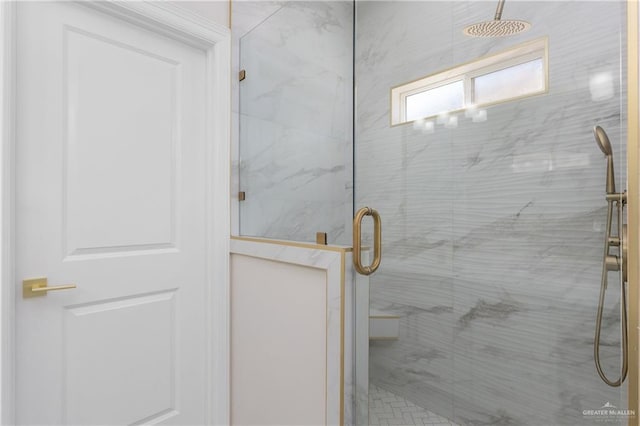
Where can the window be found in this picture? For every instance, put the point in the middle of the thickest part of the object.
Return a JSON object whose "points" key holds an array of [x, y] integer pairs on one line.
{"points": [[448, 97], [508, 83], [514, 73]]}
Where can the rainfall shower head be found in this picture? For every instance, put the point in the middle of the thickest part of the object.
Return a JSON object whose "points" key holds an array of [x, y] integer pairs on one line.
{"points": [[603, 140], [497, 27], [605, 146]]}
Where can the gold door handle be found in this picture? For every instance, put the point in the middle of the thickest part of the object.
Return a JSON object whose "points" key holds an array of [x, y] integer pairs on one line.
{"points": [[35, 287], [357, 243]]}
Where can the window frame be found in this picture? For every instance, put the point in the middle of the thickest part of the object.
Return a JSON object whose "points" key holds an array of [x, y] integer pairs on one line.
{"points": [[467, 72]]}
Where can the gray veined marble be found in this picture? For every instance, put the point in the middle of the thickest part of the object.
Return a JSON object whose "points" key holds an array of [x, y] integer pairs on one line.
{"points": [[499, 311], [295, 156]]}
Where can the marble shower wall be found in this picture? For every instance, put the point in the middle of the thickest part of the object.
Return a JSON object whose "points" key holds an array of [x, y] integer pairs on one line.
{"points": [[295, 118], [493, 231]]}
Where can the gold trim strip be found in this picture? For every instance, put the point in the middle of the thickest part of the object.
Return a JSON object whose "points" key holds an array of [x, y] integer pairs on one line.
{"points": [[321, 238], [342, 294], [633, 212], [326, 348], [294, 244]]}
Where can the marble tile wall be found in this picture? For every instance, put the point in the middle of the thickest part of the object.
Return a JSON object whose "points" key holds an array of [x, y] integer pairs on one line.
{"points": [[493, 231], [294, 115]]}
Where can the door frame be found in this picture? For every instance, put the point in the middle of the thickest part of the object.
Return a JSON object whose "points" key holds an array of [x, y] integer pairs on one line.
{"points": [[633, 207], [213, 39]]}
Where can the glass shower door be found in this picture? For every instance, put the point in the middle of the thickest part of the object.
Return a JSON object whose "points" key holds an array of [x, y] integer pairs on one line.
{"points": [[494, 213]]}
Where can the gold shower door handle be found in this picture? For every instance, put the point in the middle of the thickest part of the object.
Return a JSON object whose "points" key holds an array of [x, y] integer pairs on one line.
{"points": [[357, 241], [36, 287]]}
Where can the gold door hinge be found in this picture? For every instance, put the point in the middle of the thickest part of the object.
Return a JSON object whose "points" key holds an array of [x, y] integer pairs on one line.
{"points": [[242, 196], [242, 75], [321, 238]]}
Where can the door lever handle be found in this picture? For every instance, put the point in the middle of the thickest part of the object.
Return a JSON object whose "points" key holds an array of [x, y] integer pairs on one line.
{"points": [[36, 287]]}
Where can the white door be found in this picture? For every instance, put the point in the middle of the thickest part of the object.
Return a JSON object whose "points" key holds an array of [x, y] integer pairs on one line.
{"points": [[110, 196]]}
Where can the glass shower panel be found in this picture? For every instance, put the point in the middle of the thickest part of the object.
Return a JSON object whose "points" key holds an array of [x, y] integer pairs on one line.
{"points": [[529, 212], [493, 228], [405, 172], [295, 120]]}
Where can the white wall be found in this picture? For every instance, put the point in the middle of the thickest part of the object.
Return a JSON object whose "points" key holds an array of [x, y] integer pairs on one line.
{"points": [[279, 320], [289, 313], [214, 10]]}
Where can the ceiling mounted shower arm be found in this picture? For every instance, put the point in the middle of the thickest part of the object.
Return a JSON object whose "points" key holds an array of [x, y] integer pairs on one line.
{"points": [[499, 10], [496, 27]]}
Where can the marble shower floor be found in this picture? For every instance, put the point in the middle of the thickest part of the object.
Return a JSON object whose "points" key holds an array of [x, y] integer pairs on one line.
{"points": [[386, 408]]}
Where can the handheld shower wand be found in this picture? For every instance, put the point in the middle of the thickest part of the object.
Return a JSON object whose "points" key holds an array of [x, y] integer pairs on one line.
{"points": [[605, 146], [612, 262]]}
